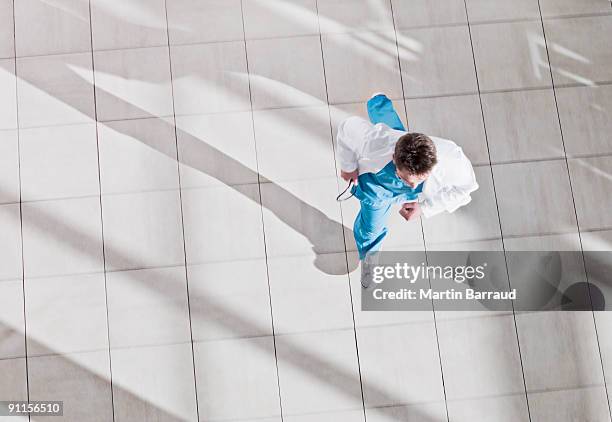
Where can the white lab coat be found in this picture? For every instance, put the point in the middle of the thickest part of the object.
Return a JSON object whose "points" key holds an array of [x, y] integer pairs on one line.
{"points": [[368, 147]]}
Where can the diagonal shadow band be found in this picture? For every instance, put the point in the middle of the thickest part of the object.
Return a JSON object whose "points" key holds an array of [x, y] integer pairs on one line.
{"points": [[309, 364]]}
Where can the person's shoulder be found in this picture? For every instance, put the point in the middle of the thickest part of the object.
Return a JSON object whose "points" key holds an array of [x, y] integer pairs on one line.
{"points": [[445, 148]]}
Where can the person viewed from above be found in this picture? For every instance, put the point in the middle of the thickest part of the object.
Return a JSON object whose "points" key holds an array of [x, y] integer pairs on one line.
{"points": [[389, 165]]}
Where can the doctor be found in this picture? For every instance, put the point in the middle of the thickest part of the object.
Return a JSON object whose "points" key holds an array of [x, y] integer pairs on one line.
{"points": [[425, 175]]}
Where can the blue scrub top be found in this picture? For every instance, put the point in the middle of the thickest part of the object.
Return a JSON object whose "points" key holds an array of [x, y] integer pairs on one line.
{"points": [[385, 187]]}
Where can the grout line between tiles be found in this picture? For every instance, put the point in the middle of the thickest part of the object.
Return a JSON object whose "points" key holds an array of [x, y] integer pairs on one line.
{"points": [[344, 240], [263, 226], [569, 178], [180, 192], [23, 290], [497, 208], [95, 108]]}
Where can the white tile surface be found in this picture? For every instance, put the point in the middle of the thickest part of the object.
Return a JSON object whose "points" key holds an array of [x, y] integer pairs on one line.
{"points": [[200, 21], [147, 307], [62, 237], [137, 155], [426, 56], [133, 83], [511, 408], [276, 81], [570, 7], [318, 372], [490, 10], [12, 325], [43, 27], [66, 314], [140, 23], [8, 102], [355, 15], [7, 35], [237, 379], [133, 242], [423, 13], [59, 162], [223, 214], [229, 300], [210, 78], [154, 382], [13, 384], [9, 166], [568, 405], [55, 90], [10, 242], [212, 155], [365, 54], [280, 18], [591, 179], [294, 144]]}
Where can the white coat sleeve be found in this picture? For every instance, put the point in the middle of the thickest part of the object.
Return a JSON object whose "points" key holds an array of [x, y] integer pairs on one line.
{"points": [[459, 182], [350, 140]]}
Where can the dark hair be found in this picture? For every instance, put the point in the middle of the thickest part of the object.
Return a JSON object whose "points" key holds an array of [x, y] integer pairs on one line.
{"points": [[415, 153]]}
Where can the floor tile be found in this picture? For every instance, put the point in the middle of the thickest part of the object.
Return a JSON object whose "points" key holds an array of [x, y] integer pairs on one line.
{"points": [[210, 78], [426, 412], [133, 242], [66, 314], [522, 125], [339, 416], [10, 242], [589, 404], [570, 7], [585, 114], [137, 155], [603, 321], [154, 383], [490, 10], [296, 284], [477, 220], [410, 352], [147, 307], [302, 218], [318, 372], [80, 380], [133, 83], [534, 198], [512, 408], [59, 162], [229, 300], [423, 13], [12, 325], [280, 18], [276, 81], [491, 342], [510, 56], [211, 155], [55, 90], [9, 167], [237, 379], [427, 56], [458, 118], [140, 23], [62, 237], [372, 60], [8, 102], [559, 350], [43, 27], [199, 21], [355, 15], [591, 178], [224, 214], [597, 240], [7, 35], [310, 135], [13, 384], [582, 57]]}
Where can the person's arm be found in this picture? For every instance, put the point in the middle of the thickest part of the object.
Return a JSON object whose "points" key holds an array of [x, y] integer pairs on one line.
{"points": [[350, 140], [460, 182]]}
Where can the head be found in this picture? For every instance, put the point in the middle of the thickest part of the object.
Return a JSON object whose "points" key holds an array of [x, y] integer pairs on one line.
{"points": [[414, 158]]}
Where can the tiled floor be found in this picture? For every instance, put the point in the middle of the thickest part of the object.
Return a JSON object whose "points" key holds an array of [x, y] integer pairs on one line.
{"points": [[171, 249]]}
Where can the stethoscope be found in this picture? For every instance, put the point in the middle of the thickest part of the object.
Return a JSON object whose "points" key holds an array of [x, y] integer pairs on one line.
{"points": [[339, 197]]}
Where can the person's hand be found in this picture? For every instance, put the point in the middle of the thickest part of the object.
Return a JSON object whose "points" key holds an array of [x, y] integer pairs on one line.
{"points": [[352, 175], [410, 210]]}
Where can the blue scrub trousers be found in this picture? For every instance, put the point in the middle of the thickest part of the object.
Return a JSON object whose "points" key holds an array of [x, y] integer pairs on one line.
{"points": [[370, 227]]}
